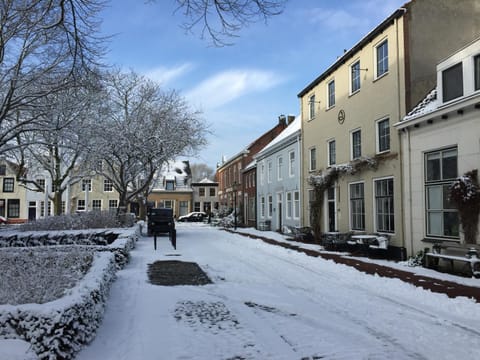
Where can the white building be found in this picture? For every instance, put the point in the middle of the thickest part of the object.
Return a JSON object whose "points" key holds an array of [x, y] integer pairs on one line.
{"points": [[440, 141]]}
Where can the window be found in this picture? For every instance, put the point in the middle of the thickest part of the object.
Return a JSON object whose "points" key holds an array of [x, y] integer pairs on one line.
{"points": [[313, 159], [112, 204], [201, 192], [42, 208], [476, 61], [357, 206], [63, 206], [212, 191], [289, 205], [441, 215], [385, 220], [383, 135], [13, 208], [279, 168], [81, 205], [170, 185], [8, 184], [356, 144], [269, 172], [311, 107], [382, 58], [196, 206], [40, 183], [262, 206], [296, 204], [291, 163], [97, 204], [107, 185], [270, 206], [331, 93], [262, 174], [87, 183], [452, 82], [168, 204], [355, 77], [332, 156], [3, 170]]}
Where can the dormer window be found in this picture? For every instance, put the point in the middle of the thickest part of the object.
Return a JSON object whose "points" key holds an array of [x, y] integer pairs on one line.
{"points": [[170, 185], [452, 82]]}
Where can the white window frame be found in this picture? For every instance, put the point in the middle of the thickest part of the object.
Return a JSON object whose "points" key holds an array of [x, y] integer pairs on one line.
{"points": [[350, 213], [269, 206], [279, 168], [269, 171], [291, 163], [377, 60], [81, 207], [86, 182], [262, 173], [107, 184], [330, 95], [375, 208], [312, 163], [311, 107], [352, 155], [377, 135], [329, 162], [296, 204], [95, 201], [289, 207], [111, 202], [355, 76]]}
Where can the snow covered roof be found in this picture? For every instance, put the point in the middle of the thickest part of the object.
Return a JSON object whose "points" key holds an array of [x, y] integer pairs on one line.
{"points": [[427, 105], [289, 131]]}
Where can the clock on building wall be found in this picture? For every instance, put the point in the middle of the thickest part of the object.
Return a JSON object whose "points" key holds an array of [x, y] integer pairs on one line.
{"points": [[341, 116]]}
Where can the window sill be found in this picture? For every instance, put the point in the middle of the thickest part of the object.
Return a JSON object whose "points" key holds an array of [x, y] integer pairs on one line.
{"points": [[380, 76], [330, 107], [354, 93]]}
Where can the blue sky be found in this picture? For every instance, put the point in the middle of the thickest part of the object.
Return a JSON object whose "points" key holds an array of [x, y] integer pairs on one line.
{"points": [[241, 89]]}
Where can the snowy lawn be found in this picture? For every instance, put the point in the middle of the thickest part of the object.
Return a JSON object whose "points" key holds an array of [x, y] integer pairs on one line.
{"points": [[267, 302]]}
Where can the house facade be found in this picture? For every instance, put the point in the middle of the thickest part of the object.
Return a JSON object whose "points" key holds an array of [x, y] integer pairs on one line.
{"points": [[92, 193], [249, 176], [278, 179], [205, 196], [173, 189], [350, 149], [13, 196], [229, 172], [440, 138]]}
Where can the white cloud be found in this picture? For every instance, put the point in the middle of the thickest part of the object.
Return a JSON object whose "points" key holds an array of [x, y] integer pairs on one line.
{"points": [[337, 20], [227, 86], [165, 75]]}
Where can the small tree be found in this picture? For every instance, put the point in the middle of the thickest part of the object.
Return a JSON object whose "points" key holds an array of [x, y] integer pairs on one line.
{"points": [[465, 194]]}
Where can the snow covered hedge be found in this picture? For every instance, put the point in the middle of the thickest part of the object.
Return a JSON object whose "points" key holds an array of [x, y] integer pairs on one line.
{"points": [[58, 329]]}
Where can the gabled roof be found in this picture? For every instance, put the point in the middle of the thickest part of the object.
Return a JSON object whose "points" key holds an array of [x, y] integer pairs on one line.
{"points": [[290, 130], [427, 105]]}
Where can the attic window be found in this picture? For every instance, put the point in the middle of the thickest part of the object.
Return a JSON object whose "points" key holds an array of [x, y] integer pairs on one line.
{"points": [[169, 185], [3, 170], [452, 79]]}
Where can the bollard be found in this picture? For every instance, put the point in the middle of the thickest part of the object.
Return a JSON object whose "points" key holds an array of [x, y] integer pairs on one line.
{"points": [[155, 242]]}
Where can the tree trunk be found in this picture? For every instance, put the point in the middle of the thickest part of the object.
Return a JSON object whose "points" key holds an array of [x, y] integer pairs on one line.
{"points": [[57, 202]]}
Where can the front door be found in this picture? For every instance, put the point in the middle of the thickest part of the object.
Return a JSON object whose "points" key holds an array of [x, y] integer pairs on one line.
{"points": [[332, 218]]}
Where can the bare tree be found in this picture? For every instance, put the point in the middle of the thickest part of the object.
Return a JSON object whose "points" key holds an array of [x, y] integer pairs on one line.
{"points": [[141, 128], [221, 20], [201, 171], [59, 147], [45, 45]]}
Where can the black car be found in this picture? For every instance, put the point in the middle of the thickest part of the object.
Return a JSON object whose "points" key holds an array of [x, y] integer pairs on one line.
{"points": [[196, 216]]}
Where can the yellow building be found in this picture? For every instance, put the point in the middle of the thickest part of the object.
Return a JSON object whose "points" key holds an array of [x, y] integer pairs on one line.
{"points": [[349, 146], [100, 195], [13, 196]]}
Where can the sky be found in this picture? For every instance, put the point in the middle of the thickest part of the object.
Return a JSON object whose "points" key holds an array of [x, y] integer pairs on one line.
{"points": [[267, 302], [240, 89]]}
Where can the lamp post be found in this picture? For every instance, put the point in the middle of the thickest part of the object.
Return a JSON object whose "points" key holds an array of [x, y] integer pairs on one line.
{"points": [[234, 187]]}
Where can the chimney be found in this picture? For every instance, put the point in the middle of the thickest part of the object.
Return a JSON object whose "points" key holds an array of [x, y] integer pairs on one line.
{"points": [[290, 119], [282, 120]]}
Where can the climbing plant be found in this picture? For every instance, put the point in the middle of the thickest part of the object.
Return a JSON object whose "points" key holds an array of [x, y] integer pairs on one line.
{"points": [[327, 178], [465, 195]]}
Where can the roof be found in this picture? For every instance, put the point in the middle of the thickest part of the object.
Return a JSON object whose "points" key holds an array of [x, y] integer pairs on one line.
{"points": [[427, 105], [350, 53], [285, 134]]}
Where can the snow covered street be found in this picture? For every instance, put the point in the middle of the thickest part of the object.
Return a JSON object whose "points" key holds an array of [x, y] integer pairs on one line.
{"points": [[267, 302]]}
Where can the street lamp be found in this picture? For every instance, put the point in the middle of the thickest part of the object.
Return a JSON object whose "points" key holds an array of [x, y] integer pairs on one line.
{"points": [[234, 187]]}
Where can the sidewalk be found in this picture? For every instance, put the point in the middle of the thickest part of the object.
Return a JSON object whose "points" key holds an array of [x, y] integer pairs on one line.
{"points": [[451, 288]]}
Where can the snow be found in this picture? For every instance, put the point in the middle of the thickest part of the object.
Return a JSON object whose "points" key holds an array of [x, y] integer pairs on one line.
{"points": [[268, 302]]}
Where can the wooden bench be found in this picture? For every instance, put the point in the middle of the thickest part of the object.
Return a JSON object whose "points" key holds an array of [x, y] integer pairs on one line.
{"points": [[452, 252]]}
